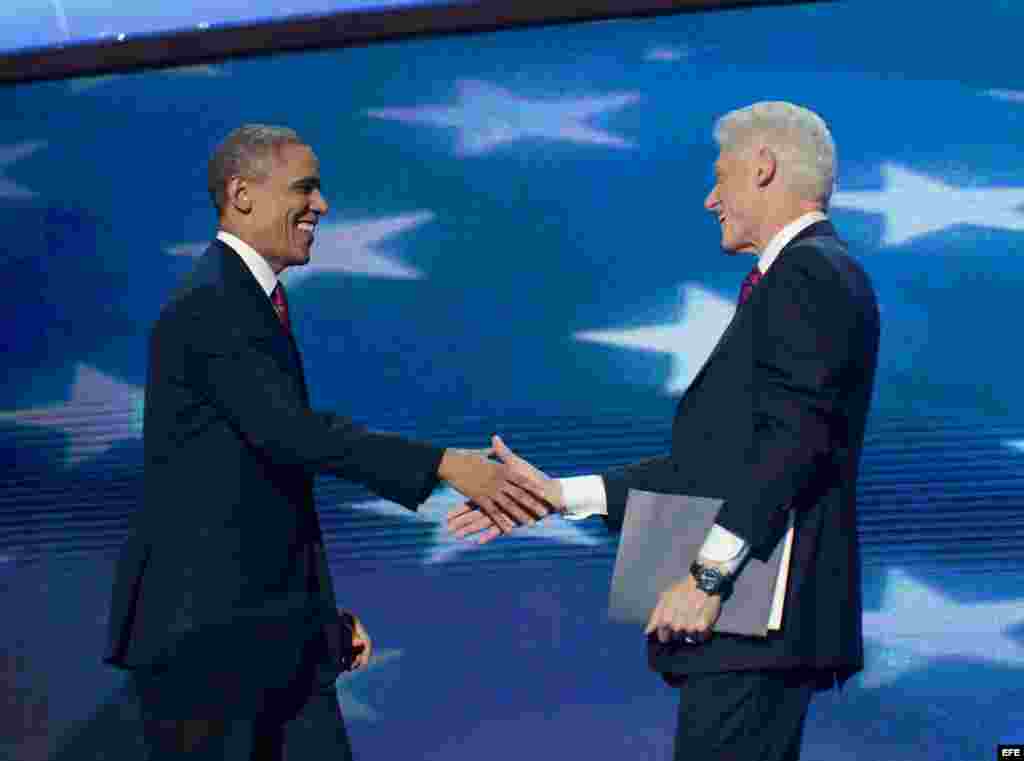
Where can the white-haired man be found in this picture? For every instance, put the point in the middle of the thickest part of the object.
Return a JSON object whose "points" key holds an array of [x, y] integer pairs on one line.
{"points": [[774, 424]]}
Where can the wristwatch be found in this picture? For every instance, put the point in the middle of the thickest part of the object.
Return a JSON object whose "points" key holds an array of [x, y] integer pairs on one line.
{"points": [[710, 580]]}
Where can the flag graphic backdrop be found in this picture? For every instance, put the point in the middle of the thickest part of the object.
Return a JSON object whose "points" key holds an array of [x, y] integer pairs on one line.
{"points": [[517, 244]]}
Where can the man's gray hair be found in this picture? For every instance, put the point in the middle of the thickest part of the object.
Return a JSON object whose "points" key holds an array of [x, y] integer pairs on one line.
{"points": [[799, 137], [247, 152]]}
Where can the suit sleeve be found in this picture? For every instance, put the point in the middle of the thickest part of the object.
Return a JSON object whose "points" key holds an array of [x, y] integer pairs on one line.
{"points": [[801, 347], [240, 376], [657, 474]]}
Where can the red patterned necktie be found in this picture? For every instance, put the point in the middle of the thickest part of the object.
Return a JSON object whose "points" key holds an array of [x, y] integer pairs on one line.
{"points": [[753, 278], [277, 298]]}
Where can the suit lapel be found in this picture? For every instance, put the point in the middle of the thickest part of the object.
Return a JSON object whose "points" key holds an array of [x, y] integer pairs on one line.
{"points": [[718, 346], [818, 229], [297, 359], [255, 306]]}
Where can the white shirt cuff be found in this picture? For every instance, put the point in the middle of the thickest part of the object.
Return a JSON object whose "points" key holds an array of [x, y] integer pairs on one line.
{"points": [[583, 497], [724, 547]]}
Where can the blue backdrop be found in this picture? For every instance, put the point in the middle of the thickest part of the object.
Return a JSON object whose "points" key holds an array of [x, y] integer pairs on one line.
{"points": [[517, 244]]}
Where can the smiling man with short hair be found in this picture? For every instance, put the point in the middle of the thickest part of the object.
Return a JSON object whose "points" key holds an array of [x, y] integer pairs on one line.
{"points": [[223, 606]]}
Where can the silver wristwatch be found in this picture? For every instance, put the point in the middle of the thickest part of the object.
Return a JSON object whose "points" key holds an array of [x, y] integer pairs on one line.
{"points": [[710, 580]]}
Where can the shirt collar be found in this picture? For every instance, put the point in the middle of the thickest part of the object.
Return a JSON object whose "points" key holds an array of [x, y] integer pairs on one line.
{"points": [[257, 265], [784, 236]]}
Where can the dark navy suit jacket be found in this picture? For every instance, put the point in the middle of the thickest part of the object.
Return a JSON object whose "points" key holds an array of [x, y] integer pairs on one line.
{"points": [[775, 419], [224, 567]]}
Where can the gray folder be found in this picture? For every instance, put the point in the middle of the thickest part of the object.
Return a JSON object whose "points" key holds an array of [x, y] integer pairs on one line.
{"points": [[660, 538]]}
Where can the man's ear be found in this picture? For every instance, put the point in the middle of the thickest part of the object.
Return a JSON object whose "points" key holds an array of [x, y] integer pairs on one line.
{"points": [[238, 195], [766, 164]]}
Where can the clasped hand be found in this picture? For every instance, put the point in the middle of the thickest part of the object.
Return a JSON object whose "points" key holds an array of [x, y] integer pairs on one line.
{"points": [[500, 494], [534, 496]]}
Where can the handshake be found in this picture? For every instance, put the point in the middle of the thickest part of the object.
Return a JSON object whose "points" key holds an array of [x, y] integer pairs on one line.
{"points": [[502, 495]]}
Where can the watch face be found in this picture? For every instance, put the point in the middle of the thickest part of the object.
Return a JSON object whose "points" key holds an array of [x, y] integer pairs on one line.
{"points": [[709, 579]]}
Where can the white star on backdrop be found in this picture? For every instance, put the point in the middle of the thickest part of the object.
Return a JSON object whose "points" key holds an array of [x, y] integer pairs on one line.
{"points": [[99, 413], [346, 247], [675, 53], [668, 54], [9, 154], [352, 686], [84, 84], [916, 624], [915, 205], [444, 547], [703, 317], [1013, 96], [192, 250], [487, 116]]}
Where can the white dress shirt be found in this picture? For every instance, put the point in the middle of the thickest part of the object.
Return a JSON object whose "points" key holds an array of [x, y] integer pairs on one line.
{"points": [[258, 266], [584, 496]]}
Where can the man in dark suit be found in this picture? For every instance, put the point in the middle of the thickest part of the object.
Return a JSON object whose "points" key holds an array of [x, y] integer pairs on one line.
{"points": [[223, 607], [774, 424]]}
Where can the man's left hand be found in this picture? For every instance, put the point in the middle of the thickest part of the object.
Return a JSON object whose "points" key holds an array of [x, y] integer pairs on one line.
{"points": [[684, 611], [362, 645]]}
